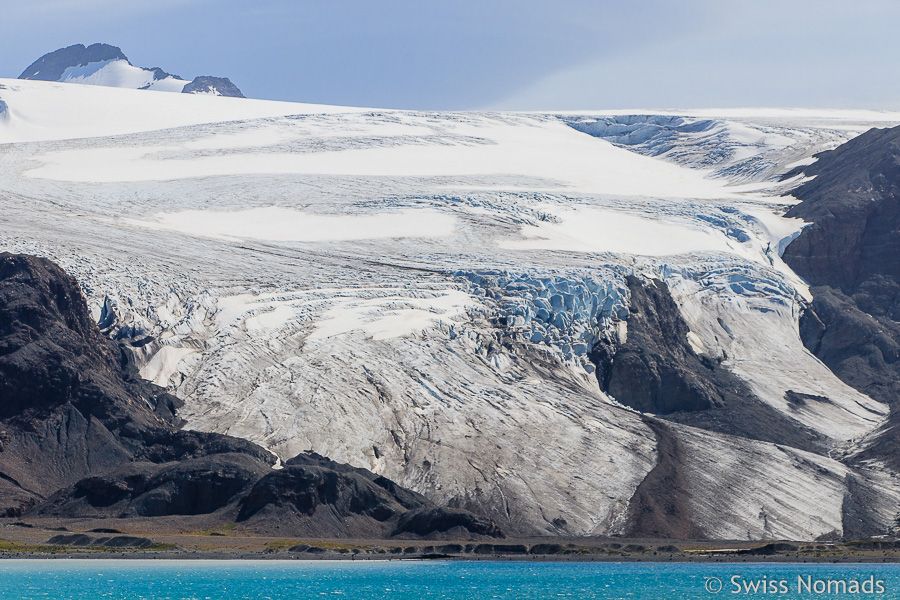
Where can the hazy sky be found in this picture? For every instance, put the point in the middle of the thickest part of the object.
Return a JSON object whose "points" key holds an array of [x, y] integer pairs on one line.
{"points": [[515, 54]]}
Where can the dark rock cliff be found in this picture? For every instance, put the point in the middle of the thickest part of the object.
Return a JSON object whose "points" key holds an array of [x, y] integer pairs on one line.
{"points": [[82, 436], [317, 496], [67, 407], [853, 204], [850, 256], [656, 371]]}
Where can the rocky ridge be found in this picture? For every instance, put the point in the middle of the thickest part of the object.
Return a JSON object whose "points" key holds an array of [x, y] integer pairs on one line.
{"points": [[848, 254], [219, 86]]}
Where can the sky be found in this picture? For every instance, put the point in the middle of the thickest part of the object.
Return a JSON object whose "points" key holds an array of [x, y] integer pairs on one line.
{"points": [[494, 54]]}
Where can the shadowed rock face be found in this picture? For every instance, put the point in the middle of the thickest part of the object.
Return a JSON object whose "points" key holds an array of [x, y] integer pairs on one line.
{"points": [[655, 370], [70, 405], [82, 436], [320, 495], [52, 354], [853, 204], [311, 496], [444, 520], [67, 406], [849, 255], [189, 487], [51, 66]]}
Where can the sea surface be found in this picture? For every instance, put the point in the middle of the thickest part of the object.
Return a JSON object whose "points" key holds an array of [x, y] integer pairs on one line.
{"points": [[373, 580]]}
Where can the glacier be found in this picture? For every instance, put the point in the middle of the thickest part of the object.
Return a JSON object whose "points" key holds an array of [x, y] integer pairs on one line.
{"points": [[418, 293]]}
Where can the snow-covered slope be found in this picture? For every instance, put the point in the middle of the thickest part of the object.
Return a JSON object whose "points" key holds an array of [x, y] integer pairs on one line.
{"points": [[121, 73], [41, 111], [419, 293]]}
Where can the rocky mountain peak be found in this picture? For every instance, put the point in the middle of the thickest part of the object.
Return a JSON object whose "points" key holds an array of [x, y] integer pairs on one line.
{"points": [[104, 64], [217, 86], [52, 65]]}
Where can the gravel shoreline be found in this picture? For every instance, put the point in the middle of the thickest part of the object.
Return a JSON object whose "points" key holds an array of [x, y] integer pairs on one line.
{"points": [[47, 542]]}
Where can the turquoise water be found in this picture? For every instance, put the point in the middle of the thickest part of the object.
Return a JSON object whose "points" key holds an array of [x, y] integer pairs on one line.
{"points": [[226, 580]]}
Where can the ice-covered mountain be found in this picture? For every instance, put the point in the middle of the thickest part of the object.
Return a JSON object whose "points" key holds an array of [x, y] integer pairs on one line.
{"points": [[103, 64], [570, 323]]}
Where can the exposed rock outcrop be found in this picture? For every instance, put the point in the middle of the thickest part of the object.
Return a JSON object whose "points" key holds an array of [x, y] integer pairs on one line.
{"points": [[218, 86], [853, 203], [188, 487], [770, 549], [655, 370], [315, 496], [67, 407], [849, 256], [447, 521]]}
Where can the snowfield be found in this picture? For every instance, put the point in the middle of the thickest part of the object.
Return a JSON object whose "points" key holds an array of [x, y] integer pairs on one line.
{"points": [[42, 110], [288, 225], [417, 293], [119, 73]]}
